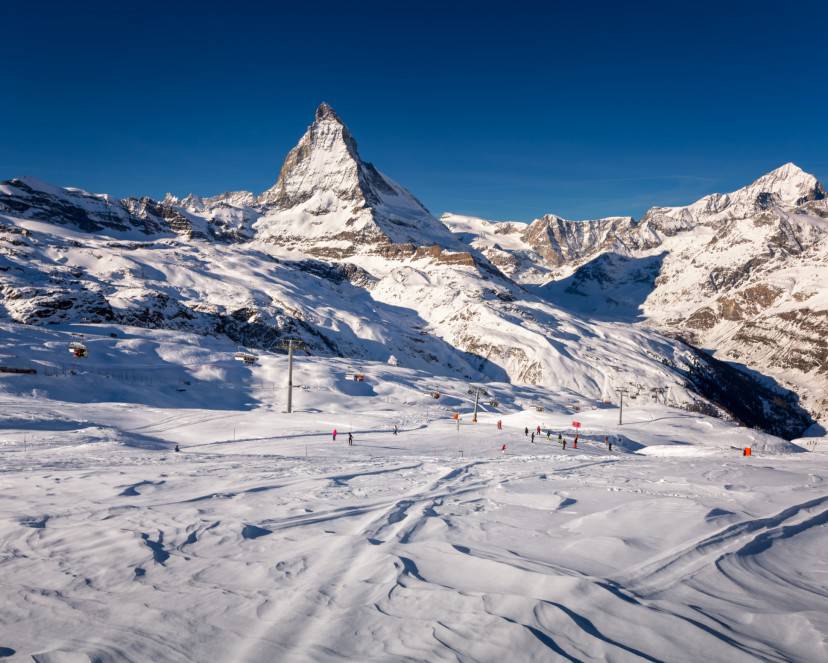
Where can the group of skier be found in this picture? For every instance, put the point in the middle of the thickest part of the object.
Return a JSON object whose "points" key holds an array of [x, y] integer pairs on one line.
{"points": [[561, 439], [526, 432], [350, 437]]}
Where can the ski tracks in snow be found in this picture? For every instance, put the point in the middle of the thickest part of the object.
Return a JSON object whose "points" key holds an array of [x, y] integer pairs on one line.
{"points": [[334, 583]]}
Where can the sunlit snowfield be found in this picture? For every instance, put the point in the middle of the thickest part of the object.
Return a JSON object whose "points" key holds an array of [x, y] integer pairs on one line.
{"points": [[263, 539]]}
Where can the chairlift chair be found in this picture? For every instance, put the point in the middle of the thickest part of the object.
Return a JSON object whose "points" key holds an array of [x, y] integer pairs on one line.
{"points": [[78, 349], [247, 357]]}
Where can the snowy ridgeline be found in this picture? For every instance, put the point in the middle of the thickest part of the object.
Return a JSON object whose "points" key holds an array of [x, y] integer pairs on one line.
{"points": [[742, 273], [262, 538]]}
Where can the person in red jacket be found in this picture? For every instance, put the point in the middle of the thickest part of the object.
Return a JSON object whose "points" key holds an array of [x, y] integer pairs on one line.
{"points": [[334, 434]]}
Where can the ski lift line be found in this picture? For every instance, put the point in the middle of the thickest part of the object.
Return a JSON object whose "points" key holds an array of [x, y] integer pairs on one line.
{"points": [[452, 394], [154, 367]]}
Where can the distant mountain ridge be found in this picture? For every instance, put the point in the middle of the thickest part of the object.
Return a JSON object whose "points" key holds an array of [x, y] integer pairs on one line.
{"points": [[743, 273]]}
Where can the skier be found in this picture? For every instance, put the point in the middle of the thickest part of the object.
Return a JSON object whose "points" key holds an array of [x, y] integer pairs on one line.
{"points": [[548, 435], [526, 431], [334, 434], [533, 437], [503, 449], [499, 424], [537, 430], [609, 444], [563, 444], [560, 438], [176, 448], [395, 429], [350, 440]]}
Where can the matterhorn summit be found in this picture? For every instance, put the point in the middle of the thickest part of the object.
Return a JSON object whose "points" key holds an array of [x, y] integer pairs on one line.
{"points": [[328, 196]]}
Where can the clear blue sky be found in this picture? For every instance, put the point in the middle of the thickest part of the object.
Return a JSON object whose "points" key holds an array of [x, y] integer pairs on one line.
{"points": [[583, 109]]}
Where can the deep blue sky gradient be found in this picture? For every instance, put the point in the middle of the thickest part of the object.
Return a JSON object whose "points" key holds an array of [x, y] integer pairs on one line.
{"points": [[509, 111]]}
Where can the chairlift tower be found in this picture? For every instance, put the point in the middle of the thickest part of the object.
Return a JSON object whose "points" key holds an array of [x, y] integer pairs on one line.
{"points": [[621, 391], [291, 344], [477, 391]]}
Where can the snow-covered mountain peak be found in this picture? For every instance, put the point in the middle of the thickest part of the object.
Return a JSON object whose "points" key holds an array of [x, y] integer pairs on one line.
{"points": [[328, 196], [741, 272], [325, 157], [789, 182], [787, 186]]}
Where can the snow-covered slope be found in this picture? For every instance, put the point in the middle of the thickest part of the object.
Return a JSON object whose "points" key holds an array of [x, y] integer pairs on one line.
{"points": [[263, 539], [744, 273], [449, 318]]}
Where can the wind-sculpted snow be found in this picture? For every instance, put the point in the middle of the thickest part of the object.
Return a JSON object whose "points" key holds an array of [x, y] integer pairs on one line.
{"points": [[263, 539]]}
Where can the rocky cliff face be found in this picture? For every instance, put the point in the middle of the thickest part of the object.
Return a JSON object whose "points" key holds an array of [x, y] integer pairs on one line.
{"points": [[560, 242]]}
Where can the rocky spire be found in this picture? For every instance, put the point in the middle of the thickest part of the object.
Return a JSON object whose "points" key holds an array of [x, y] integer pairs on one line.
{"points": [[326, 158], [326, 192], [326, 112]]}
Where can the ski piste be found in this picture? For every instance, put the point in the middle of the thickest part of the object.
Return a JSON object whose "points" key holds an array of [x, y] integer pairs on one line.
{"points": [[206, 523]]}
